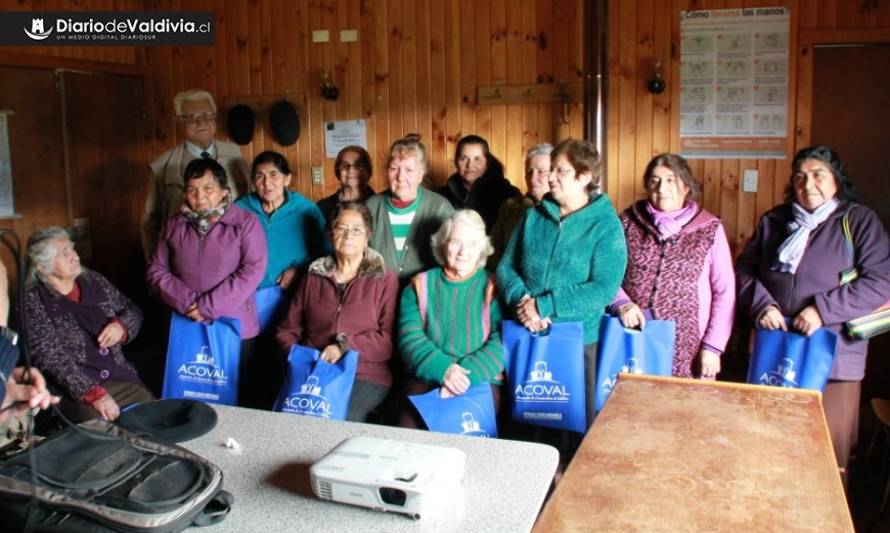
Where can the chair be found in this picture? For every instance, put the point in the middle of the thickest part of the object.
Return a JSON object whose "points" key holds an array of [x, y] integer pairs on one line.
{"points": [[881, 408]]}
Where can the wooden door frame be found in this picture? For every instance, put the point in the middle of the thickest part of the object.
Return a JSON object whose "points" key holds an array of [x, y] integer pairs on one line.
{"points": [[808, 40]]}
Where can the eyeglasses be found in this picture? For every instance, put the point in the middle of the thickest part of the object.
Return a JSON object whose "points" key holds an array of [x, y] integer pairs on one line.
{"points": [[197, 118], [538, 171], [340, 231], [346, 167]]}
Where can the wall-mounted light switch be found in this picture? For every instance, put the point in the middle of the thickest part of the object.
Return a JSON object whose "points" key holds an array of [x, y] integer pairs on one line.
{"points": [[749, 181], [317, 176], [321, 36]]}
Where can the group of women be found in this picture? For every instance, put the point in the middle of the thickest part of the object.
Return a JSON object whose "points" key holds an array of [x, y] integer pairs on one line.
{"points": [[401, 272]]}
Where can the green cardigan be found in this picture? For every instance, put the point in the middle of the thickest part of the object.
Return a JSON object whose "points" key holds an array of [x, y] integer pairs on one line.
{"points": [[453, 327], [573, 266], [418, 252]]}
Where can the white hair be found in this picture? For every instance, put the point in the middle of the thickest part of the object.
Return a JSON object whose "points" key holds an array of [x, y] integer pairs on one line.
{"points": [[192, 95], [43, 246], [539, 149], [471, 218]]}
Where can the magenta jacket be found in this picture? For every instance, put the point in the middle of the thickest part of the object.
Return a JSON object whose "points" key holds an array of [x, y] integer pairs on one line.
{"points": [[220, 271]]}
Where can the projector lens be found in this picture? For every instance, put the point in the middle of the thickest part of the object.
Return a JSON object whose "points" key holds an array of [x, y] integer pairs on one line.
{"points": [[393, 496]]}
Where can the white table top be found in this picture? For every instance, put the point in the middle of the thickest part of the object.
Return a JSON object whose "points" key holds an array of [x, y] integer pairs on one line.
{"points": [[503, 490]]}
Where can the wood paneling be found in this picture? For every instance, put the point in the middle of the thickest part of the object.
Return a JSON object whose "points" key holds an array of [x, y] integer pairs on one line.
{"points": [[640, 125], [415, 68]]}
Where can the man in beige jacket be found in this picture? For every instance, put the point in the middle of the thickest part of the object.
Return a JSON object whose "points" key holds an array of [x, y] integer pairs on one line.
{"points": [[196, 113]]}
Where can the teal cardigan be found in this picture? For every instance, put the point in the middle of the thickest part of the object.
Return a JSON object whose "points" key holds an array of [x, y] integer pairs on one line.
{"points": [[418, 252], [573, 266], [295, 233]]}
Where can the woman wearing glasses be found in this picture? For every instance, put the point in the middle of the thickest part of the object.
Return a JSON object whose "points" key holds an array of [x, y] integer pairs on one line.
{"points": [[347, 301], [565, 260], [353, 167], [293, 225]]}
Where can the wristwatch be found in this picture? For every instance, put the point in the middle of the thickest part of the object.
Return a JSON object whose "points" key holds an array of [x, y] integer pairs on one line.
{"points": [[11, 335]]}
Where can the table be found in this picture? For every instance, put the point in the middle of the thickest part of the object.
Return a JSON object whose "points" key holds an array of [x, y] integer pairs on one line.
{"points": [[675, 455], [504, 487]]}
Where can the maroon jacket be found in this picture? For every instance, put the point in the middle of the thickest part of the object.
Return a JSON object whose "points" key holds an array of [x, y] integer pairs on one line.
{"points": [[365, 314], [817, 280]]}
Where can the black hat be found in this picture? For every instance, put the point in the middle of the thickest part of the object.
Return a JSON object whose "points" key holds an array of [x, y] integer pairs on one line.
{"points": [[284, 122], [240, 122], [169, 420]]}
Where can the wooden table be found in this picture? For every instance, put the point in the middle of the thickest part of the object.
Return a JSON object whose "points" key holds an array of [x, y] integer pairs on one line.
{"points": [[676, 455]]}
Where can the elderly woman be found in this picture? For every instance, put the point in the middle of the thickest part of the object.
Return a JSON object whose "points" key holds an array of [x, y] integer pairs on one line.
{"points": [[537, 172], [479, 182], [459, 296], [406, 216], [348, 301], [679, 268], [565, 261], [354, 170], [210, 259], [294, 227], [793, 267], [77, 325]]}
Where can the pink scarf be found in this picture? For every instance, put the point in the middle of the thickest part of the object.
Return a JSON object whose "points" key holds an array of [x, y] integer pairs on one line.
{"points": [[670, 223]]}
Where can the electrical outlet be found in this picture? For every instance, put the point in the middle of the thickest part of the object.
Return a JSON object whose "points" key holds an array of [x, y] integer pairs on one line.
{"points": [[321, 36], [317, 176], [348, 36]]}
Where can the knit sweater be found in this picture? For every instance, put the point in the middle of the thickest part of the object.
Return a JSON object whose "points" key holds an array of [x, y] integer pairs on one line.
{"points": [[571, 265], [417, 254], [687, 278], [453, 329], [294, 233]]}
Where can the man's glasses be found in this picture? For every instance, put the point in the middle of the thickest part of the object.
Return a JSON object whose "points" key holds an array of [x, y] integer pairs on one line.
{"points": [[197, 118]]}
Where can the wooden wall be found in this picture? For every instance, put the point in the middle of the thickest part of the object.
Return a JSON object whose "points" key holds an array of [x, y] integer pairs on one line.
{"points": [[415, 68], [641, 125]]}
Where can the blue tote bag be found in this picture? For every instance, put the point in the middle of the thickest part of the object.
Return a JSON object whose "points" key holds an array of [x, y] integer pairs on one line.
{"points": [[271, 305], [202, 360], [314, 387], [545, 372], [647, 351], [792, 360], [471, 413]]}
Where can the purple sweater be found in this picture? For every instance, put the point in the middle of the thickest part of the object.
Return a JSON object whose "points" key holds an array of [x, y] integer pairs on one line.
{"points": [[220, 271], [816, 281], [714, 288]]}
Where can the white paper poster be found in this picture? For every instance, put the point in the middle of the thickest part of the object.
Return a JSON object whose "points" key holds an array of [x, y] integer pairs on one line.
{"points": [[6, 207], [734, 83], [338, 135]]}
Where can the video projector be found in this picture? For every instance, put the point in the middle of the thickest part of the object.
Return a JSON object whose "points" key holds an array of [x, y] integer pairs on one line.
{"points": [[389, 475]]}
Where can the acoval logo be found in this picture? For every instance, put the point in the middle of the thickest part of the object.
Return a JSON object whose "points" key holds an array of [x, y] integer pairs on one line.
{"points": [[541, 387], [309, 401], [203, 369], [630, 366], [37, 32], [783, 376], [470, 426]]}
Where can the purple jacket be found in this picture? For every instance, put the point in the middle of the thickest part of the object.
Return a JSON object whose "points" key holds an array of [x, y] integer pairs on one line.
{"points": [[817, 280], [219, 271]]}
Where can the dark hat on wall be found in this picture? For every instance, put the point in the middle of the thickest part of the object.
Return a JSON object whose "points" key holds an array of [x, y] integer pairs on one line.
{"points": [[284, 122], [240, 122], [169, 420]]}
